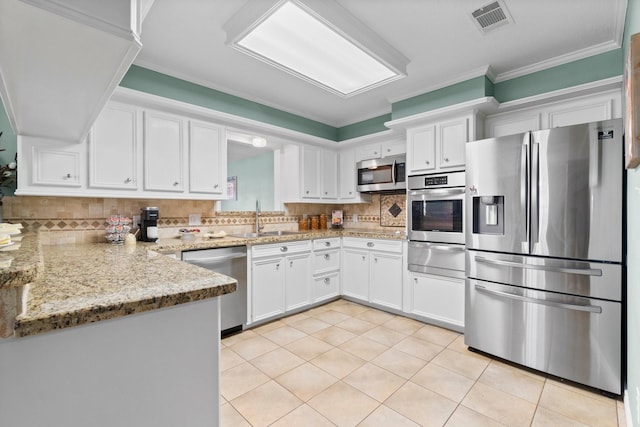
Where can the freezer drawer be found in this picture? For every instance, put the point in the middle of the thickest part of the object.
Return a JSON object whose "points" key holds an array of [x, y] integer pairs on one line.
{"points": [[571, 337], [584, 278]]}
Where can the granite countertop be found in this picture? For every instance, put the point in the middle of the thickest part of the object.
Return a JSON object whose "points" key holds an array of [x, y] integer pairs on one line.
{"points": [[176, 244], [21, 263], [92, 282], [77, 284]]}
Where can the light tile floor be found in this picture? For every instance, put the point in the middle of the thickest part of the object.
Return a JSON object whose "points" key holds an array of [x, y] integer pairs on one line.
{"points": [[344, 364]]}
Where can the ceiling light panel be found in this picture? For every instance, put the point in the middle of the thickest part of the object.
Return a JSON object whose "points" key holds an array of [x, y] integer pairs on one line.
{"points": [[308, 44]]}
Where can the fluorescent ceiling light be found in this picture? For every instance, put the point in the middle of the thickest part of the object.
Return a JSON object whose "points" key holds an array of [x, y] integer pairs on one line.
{"points": [[302, 37]]}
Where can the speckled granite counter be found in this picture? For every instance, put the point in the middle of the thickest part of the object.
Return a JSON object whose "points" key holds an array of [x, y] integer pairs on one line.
{"points": [[93, 282], [22, 263], [88, 283], [177, 244]]}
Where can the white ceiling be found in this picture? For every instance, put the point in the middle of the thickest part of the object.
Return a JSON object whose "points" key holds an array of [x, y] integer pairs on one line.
{"points": [[184, 38]]}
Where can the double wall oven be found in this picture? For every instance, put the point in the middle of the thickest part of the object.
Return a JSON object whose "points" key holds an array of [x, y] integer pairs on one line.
{"points": [[436, 228]]}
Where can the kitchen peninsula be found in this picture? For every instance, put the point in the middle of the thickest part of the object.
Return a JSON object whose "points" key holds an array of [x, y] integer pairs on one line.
{"points": [[132, 338]]}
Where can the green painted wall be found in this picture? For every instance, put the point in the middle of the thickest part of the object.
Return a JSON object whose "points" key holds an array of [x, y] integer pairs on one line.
{"points": [[8, 141], [149, 81], [632, 26], [444, 97], [593, 68], [255, 182], [365, 127]]}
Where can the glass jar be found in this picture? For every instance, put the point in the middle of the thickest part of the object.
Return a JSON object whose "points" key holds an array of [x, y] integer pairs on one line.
{"points": [[315, 222], [323, 221], [303, 224]]}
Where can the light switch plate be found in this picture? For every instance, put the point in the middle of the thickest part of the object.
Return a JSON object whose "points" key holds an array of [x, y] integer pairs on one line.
{"points": [[195, 219]]}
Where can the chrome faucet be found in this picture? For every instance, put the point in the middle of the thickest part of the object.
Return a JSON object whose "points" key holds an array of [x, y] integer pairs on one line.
{"points": [[258, 226]]}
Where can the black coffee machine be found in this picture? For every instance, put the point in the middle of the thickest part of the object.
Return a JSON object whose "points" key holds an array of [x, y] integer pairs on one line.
{"points": [[149, 224]]}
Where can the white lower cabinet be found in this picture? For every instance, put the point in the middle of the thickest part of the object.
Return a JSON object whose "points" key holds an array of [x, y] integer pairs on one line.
{"points": [[372, 271], [438, 298], [326, 269], [281, 276]]}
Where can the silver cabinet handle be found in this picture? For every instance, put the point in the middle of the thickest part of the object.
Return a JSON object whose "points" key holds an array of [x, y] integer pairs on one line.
{"points": [[327, 281], [364, 257], [446, 248], [290, 263], [375, 152], [128, 180], [215, 186], [427, 162], [446, 159], [326, 192], [588, 308], [350, 192], [278, 266], [307, 191], [370, 244], [388, 150], [68, 175], [375, 259], [327, 244], [327, 257], [175, 183], [581, 271], [283, 249]]}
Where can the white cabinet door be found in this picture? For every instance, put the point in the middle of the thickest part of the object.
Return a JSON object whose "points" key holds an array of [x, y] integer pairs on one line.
{"points": [[207, 158], [422, 149], [164, 152], [355, 273], [347, 175], [297, 281], [394, 148], [453, 136], [329, 174], [310, 172], [386, 280], [326, 286], [369, 151], [113, 148], [438, 298], [267, 288], [57, 165]]}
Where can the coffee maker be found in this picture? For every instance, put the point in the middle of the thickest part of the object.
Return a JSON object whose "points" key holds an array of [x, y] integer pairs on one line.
{"points": [[149, 224]]}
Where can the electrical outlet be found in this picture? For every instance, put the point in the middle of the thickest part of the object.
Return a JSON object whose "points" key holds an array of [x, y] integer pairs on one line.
{"points": [[355, 217], [195, 219]]}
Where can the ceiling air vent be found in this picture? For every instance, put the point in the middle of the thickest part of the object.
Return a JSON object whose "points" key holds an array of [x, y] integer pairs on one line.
{"points": [[491, 16]]}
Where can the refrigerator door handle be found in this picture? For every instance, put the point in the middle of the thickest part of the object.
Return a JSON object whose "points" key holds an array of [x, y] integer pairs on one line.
{"points": [[576, 307], [594, 158], [524, 173], [552, 269], [535, 193]]}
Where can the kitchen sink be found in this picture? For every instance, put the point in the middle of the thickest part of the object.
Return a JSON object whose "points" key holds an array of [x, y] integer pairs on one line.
{"points": [[264, 234]]}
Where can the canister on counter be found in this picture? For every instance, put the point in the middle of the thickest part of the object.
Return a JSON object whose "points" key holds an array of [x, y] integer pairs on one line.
{"points": [[315, 222], [323, 221], [303, 224]]}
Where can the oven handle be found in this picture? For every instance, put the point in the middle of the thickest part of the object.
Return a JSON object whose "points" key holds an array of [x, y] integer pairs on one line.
{"points": [[446, 248], [582, 271], [576, 307], [439, 191], [393, 172]]}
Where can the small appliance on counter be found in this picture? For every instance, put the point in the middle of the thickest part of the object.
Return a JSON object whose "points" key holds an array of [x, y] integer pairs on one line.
{"points": [[336, 219], [149, 224]]}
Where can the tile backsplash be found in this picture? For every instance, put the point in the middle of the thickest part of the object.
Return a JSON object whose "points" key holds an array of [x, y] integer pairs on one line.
{"points": [[82, 219]]}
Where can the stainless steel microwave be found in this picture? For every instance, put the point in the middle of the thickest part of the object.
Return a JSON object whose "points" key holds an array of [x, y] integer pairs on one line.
{"points": [[388, 173]]}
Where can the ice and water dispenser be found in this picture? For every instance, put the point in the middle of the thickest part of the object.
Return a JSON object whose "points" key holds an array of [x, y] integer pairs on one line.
{"points": [[488, 215]]}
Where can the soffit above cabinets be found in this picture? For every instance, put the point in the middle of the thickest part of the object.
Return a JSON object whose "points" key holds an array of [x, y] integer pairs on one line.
{"points": [[61, 60]]}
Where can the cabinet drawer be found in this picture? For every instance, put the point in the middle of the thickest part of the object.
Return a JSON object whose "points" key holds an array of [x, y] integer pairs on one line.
{"points": [[284, 248], [373, 244], [326, 261], [329, 243], [326, 286]]}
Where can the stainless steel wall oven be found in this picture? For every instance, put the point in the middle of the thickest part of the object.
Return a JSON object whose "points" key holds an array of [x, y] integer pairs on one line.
{"points": [[436, 231]]}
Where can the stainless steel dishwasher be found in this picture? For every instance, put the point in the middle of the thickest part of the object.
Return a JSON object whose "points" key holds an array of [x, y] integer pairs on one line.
{"points": [[231, 262]]}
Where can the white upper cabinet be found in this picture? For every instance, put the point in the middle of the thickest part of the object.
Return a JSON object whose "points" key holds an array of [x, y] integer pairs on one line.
{"points": [[380, 149], [329, 174], [113, 148], [309, 174], [207, 158], [438, 147], [164, 152], [61, 60], [347, 174]]}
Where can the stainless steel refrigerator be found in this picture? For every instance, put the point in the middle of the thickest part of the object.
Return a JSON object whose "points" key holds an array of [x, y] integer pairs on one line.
{"points": [[544, 228]]}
